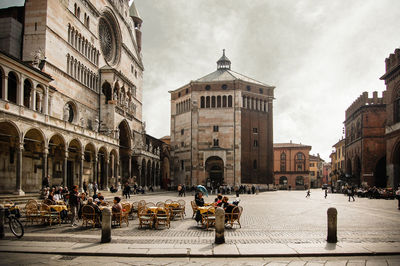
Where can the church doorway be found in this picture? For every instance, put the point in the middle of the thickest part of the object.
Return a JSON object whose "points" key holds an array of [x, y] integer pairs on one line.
{"points": [[215, 171], [380, 173], [124, 151]]}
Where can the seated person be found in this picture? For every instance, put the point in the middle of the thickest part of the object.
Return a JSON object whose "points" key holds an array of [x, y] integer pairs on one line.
{"points": [[218, 200], [95, 207], [200, 203], [117, 207], [113, 189], [51, 198], [227, 206], [101, 201], [95, 196]]}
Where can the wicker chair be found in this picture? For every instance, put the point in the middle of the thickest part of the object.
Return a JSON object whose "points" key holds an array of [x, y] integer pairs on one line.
{"points": [[135, 208], [146, 217], [162, 217], [234, 217], [194, 208], [126, 210], [178, 210], [32, 212], [48, 215], [89, 215], [47, 202], [208, 218], [160, 204], [150, 204], [119, 217], [168, 201], [182, 204]]}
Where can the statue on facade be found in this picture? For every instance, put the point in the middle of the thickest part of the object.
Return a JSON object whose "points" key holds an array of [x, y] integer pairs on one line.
{"points": [[38, 59], [115, 96], [66, 112], [96, 125], [117, 133], [82, 122]]}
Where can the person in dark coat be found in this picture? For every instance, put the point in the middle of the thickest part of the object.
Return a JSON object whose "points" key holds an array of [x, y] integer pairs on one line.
{"points": [[200, 203]]}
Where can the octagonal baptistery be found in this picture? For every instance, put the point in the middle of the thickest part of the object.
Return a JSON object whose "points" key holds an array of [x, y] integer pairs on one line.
{"points": [[222, 130]]}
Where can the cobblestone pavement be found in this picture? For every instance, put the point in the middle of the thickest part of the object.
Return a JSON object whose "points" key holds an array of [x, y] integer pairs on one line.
{"points": [[41, 259], [269, 217]]}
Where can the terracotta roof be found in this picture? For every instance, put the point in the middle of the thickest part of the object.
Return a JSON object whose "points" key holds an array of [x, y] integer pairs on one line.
{"points": [[290, 145]]}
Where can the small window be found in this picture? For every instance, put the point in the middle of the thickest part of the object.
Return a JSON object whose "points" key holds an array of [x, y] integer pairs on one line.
{"points": [[208, 87], [216, 128], [182, 131], [179, 94], [255, 164], [224, 86], [182, 165], [255, 143], [215, 142], [255, 130], [187, 91], [261, 91], [132, 69], [248, 88]]}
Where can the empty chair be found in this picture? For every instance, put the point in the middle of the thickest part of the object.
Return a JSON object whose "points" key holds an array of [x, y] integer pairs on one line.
{"points": [[160, 204], [162, 217]]}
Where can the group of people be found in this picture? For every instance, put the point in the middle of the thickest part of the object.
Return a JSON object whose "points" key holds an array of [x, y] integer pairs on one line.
{"points": [[219, 201]]}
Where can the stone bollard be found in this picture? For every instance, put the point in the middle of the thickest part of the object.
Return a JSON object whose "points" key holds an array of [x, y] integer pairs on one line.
{"points": [[219, 226], [106, 226], [332, 225], [2, 217]]}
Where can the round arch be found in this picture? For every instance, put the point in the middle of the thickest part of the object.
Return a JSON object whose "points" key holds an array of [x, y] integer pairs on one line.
{"points": [[215, 171], [107, 91], [9, 140], [12, 88], [33, 160]]}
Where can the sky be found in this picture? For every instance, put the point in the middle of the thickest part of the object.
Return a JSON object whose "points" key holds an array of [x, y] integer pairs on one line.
{"points": [[319, 54]]}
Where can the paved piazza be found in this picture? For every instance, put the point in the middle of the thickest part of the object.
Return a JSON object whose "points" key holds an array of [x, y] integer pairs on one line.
{"points": [[270, 217], [41, 259]]}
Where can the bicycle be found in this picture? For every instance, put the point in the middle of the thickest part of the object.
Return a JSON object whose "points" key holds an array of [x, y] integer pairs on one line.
{"points": [[16, 226]]}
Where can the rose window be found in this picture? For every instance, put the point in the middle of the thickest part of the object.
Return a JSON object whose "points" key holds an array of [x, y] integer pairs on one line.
{"points": [[108, 38]]}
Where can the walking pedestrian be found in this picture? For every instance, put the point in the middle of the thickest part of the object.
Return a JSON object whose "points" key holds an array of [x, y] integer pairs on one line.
{"points": [[350, 193], [95, 188], [179, 190], [127, 191], [308, 194], [74, 204], [85, 187], [398, 197], [326, 193], [90, 188]]}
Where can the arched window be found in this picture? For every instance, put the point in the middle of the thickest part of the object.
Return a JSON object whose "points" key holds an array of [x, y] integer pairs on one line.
{"points": [[224, 101], [208, 102], [283, 162], [27, 93], [283, 180], [213, 101], [75, 10], [69, 112], [202, 102], [106, 89], [218, 101], [396, 105], [177, 108], [78, 13], [12, 87], [230, 101], [299, 181], [300, 162]]}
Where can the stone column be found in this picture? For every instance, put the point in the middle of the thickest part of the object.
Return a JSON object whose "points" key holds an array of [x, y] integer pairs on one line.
{"points": [[4, 88], [117, 171], [46, 101], [44, 162], [65, 177], [81, 171], [95, 162], [20, 91], [33, 107], [130, 165], [18, 184], [112, 162], [106, 162]]}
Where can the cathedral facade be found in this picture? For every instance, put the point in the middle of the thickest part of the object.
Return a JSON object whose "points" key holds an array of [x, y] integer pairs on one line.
{"points": [[71, 96], [222, 130]]}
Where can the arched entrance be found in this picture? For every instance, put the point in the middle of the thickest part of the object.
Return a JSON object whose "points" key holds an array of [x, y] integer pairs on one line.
{"points": [[215, 171], [283, 182], [300, 182], [107, 92], [9, 140], [124, 151], [380, 173], [143, 173], [91, 162], [396, 165], [56, 159], [103, 168], [32, 168], [357, 170], [12, 87]]}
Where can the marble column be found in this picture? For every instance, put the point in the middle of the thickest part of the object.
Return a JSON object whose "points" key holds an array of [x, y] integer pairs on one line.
{"points": [[4, 88], [18, 185], [81, 171], [106, 162], [20, 91], [130, 166], [65, 176], [44, 162]]}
